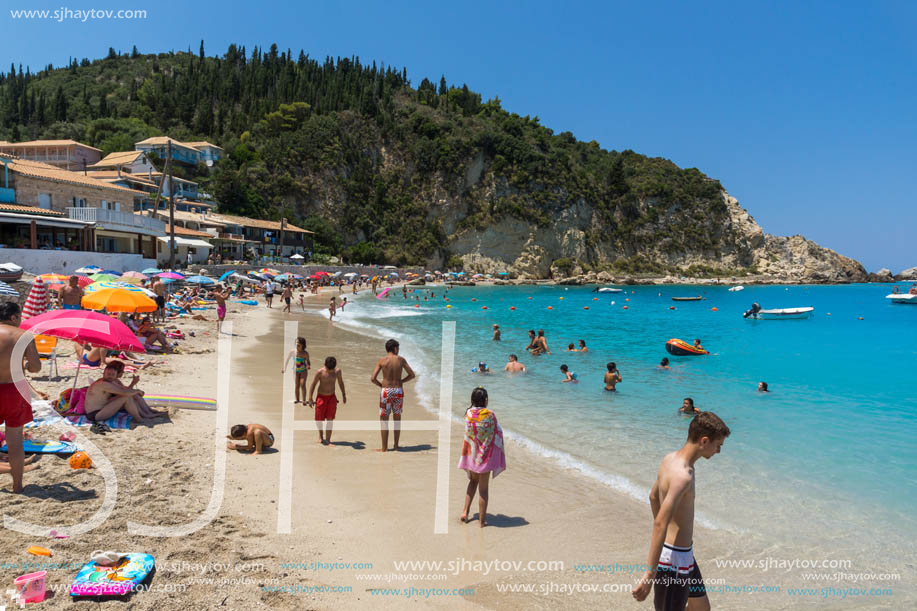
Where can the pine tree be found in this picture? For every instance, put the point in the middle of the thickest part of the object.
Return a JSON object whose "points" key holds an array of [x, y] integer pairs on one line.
{"points": [[134, 53], [60, 105], [111, 53], [202, 49], [443, 90]]}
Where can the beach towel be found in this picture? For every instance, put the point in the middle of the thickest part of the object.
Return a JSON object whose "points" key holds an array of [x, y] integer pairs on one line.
{"points": [[42, 413], [121, 420], [482, 448], [84, 367], [72, 401]]}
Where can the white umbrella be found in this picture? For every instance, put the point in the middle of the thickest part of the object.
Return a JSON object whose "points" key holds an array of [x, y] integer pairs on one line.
{"points": [[335, 274], [350, 275], [297, 256]]}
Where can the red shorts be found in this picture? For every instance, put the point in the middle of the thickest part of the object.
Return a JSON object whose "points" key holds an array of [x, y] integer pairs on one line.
{"points": [[15, 411], [326, 407]]}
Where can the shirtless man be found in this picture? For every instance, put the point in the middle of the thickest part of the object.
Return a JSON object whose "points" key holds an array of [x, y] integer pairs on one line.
{"points": [[71, 296], [514, 366], [678, 581], [391, 398], [108, 396], [326, 404], [612, 376], [287, 297], [256, 436], [159, 287], [15, 410], [220, 298]]}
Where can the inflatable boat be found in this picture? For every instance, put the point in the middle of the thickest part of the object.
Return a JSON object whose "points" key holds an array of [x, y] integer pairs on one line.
{"points": [[680, 347], [779, 314]]}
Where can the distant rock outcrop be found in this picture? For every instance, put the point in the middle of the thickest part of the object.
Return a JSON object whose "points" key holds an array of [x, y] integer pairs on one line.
{"points": [[883, 275], [907, 274]]}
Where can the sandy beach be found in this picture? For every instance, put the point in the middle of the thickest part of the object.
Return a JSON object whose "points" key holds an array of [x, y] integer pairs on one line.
{"points": [[355, 512]]}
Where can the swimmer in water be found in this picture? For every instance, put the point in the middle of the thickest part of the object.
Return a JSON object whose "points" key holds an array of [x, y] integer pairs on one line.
{"points": [[572, 348], [762, 387], [568, 375], [612, 377], [664, 363], [582, 346], [687, 407], [514, 366], [697, 344]]}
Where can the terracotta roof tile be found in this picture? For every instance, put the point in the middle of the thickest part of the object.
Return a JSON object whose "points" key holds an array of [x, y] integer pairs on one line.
{"points": [[36, 169], [36, 143], [257, 223], [188, 232], [28, 210], [119, 158]]}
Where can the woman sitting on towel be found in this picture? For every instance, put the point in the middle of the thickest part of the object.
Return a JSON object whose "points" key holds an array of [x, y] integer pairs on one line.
{"points": [[151, 335], [482, 452]]}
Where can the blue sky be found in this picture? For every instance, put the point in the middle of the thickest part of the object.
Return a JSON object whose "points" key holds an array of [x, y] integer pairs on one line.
{"points": [[805, 113]]}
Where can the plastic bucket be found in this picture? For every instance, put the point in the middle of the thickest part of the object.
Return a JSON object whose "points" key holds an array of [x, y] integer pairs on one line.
{"points": [[31, 588]]}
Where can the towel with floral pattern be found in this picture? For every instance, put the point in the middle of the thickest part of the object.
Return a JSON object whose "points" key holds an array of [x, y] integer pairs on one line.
{"points": [[482, 448]]}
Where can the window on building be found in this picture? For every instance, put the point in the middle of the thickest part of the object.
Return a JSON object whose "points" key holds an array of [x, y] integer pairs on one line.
{"points": [[44, 201]]}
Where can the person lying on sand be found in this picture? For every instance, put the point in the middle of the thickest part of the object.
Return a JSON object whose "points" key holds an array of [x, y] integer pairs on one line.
{"points": [[256, 436], [5, 467], [108, 396]]}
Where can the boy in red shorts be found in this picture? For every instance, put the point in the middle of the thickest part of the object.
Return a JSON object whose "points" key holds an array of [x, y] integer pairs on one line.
{"points": [[326, 404], [15, 410]]}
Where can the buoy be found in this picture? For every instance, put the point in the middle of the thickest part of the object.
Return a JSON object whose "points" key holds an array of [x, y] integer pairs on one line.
{"points": [[671, 307], [529, 297], [473, 299], [449, 306], [713, 309], [625, 307], [587, 307], [483, 307], [550, 307], [612, 303], [627, 299], [829, 313], [561, 298], [512, 307], [595, 299], [416, 306]]}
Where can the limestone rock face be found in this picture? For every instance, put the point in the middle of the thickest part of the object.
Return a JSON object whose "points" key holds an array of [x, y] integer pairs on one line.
{"points": [[907, 274], [578, 235], [883, 275]]}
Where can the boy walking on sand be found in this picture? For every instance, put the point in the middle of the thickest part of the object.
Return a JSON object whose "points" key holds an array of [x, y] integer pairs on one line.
{"points": [[672, 567], [391, 397], [326, 404]]}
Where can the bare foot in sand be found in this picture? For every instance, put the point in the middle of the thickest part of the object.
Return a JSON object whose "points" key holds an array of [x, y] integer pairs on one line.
{"points": [[382, 450]]}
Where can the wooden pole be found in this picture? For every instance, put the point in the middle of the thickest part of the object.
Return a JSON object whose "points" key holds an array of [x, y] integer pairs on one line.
{"points": [[171, 212]]}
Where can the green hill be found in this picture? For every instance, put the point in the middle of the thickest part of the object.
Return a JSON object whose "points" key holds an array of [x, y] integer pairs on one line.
{"points": [[384, 171]]}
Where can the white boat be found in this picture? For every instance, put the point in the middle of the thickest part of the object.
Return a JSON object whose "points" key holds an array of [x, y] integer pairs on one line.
{"points": [[902, 298], [782, 313], [736, 289], [608, 289]]}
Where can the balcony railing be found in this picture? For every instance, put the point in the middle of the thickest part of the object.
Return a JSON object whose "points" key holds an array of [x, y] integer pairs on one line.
{"points": [[232, 236], [128, 221]]}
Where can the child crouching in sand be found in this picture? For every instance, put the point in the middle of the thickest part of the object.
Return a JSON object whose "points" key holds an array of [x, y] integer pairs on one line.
{"points": [[482, 453], [256, 436]]}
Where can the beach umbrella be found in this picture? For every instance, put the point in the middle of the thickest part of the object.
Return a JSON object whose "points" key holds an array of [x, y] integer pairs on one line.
{"points": [[151, 271], [335, 274], [99, 286], [297, 256], [322, 273], [113, 272], [37, 301], [7, 291], [85, 327], [226, 275], [171, 275], [100, 277], [350, 275], [296, 276], [267, 270], [88, 269], [130, 280], [200, 280], [55, 278], [119, 300], [394, 274], [137, 275], [282, 277]]}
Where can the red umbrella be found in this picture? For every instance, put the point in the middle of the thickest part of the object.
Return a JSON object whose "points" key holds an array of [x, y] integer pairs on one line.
{"points": [[322, 273]]}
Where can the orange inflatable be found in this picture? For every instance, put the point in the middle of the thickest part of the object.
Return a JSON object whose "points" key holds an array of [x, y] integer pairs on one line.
{"points": [[80, 460], [680, 347]]}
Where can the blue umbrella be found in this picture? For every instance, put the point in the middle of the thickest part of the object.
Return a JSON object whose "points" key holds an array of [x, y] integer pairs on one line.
{"points": [[200, 280], [226, 275], [88, 269], [110, 271], [150, 271], [282, 277]]}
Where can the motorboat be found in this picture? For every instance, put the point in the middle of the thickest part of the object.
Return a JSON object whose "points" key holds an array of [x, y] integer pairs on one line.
{"points": [[903, 298], [736, 289], [779, 313], [608, 289], [697, 298], [10, 272]]}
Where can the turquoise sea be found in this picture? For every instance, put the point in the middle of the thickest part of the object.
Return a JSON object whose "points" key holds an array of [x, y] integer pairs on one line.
{"points": [[826, 460]]}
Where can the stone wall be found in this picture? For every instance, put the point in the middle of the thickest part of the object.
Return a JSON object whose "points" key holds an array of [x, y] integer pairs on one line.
{"points": [[66, 261], [62, 194]]}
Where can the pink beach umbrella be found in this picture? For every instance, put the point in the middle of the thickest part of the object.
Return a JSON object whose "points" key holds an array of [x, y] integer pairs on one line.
{"points": [[136, 275], [171, 275], [85, 327], [37, 301]]}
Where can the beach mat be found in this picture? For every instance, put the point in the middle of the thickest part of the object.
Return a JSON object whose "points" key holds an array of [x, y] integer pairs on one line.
{"points": [[121, 420], [181, 402]]}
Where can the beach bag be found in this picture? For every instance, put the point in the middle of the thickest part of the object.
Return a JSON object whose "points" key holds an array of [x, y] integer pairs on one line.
{"points": [[72, 402]]}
